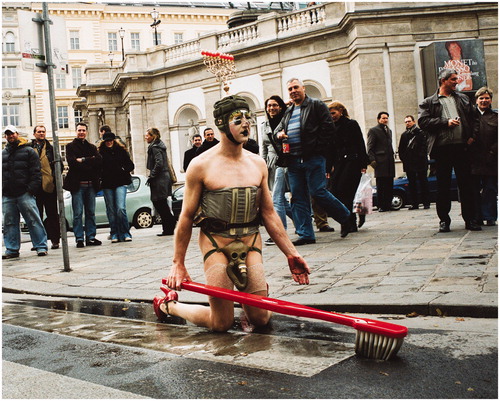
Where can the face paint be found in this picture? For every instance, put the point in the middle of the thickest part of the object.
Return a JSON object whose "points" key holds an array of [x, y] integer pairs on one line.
{"points": [[236, 117]]}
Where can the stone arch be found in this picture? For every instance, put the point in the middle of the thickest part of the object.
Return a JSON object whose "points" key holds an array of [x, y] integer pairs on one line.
{"points": [[186, 124], [314, 89]]}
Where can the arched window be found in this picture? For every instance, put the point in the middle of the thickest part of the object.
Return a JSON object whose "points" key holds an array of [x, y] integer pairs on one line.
{"points": [[9, 43]]}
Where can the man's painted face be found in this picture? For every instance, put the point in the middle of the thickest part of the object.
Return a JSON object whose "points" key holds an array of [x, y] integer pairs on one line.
{"points": [[273, 108], [81, 132], [209, 135], [40, 134], [240, 122], [297, 92], [484, 101], [197, 141], [384, 119]]}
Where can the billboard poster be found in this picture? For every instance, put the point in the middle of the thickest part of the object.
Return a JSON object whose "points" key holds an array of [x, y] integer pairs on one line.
{"points": [[466, 57]]}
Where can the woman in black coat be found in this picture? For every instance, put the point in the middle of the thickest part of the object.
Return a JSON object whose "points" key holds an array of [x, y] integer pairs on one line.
{"points": [[349, 159], [159, 180], [115, 177]]}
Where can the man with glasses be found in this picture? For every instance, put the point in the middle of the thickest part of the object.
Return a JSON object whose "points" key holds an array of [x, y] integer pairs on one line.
{"points": [[233, 204], [21, 180]]}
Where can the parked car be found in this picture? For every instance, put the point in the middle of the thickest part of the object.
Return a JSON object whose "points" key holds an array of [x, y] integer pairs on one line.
{"points": [[401, 194], [177, 198], [139, 206]]}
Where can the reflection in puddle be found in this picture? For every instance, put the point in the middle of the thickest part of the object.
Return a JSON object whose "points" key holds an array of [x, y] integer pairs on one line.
{"points": [[293, 355]]}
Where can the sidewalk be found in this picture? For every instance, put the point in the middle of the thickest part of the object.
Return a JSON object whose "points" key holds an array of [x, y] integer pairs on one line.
{"points": [[396, 264]]}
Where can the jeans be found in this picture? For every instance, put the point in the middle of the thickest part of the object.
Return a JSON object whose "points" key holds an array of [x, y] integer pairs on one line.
{"points": [[486, 193], [82, 199], [308, 179], [26, 205], [116, 211], [280, 203]]}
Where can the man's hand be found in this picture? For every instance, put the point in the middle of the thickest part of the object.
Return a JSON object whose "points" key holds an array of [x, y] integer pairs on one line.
{"points": [[177, 275], [373, 164], [453, 122], [300, 270]]}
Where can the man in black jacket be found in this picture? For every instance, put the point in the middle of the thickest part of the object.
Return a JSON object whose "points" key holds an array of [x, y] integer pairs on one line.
{"points": [[46, 197], [209, 142], [191, 153], [82, 181], [21, 180], [450, 121], [308, 128], [413, 153]]}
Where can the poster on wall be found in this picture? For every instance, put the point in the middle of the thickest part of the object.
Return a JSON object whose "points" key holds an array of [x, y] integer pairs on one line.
{"points": [[464, 56]]}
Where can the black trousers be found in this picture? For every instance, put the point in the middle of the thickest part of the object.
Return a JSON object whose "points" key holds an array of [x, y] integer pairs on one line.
{"points": [[416, 178], [384, 192], [167, 218], [455, 157], [48, 202]]}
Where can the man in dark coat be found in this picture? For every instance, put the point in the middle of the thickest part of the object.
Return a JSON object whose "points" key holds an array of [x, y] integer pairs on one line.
{"points": [[381, 157], [21, 180], [413, 153], [82, 181], [190, 154], [484, 155], [209, 142], [46, 197], [449, 119]]}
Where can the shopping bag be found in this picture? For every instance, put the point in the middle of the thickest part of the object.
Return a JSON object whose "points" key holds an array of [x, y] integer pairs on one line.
{"points": [[363, 200]]}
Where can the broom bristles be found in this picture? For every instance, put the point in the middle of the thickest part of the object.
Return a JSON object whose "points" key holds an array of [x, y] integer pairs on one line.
{"points": [[377, 346]]}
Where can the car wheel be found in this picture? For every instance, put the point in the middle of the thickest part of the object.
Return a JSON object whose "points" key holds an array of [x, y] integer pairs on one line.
{"points": [[397, 202], [143, 219]]}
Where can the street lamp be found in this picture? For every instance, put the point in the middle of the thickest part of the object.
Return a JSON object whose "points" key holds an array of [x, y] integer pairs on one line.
{"points": [[111, 56], [156, 22], [121, 32]]}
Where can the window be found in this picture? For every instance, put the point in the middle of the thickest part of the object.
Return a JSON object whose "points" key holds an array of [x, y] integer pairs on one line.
{"points": [[178, 38], [112, 41], [135, 41], [62, 117], [74, 40], [60, 80], [76, 73], [10, 114], [9, 77], [10, 43], [78, 116], [158, 37]]}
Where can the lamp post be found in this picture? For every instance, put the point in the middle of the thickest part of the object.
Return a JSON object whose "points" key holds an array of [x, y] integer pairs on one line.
{"points": [[121, 32], [111, 56], [156, 22]]}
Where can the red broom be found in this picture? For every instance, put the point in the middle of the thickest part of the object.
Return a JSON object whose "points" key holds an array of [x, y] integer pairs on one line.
{"points": [[374, 339]]}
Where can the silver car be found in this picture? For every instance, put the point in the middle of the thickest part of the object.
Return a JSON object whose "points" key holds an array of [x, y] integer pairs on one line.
{"points": [[139, 206]]}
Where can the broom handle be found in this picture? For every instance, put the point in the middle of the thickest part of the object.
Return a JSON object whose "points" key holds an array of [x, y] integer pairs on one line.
{"points": [[290, 308]]}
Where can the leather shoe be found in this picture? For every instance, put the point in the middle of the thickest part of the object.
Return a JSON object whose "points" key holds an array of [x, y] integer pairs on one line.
{"points": [[473, 226], [345, 230], [303, 241], [444, 227], [80, 244], [93, 242], [427, 206], [413, 207], [10, 255], [362, 219], [490, 223], [327, 229], [164, 234]]}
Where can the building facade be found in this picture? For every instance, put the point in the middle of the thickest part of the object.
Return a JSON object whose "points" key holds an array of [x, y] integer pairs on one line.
{"points": [[367, 55]]}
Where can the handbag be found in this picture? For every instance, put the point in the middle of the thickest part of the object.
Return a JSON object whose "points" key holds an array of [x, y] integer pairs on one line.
{"points": [[282, 159], [363, 199]]}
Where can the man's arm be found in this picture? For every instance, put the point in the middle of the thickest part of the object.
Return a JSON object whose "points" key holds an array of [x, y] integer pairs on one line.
{"points": [[427, 121], [192, 194], [298, 266], [35, 174]]}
